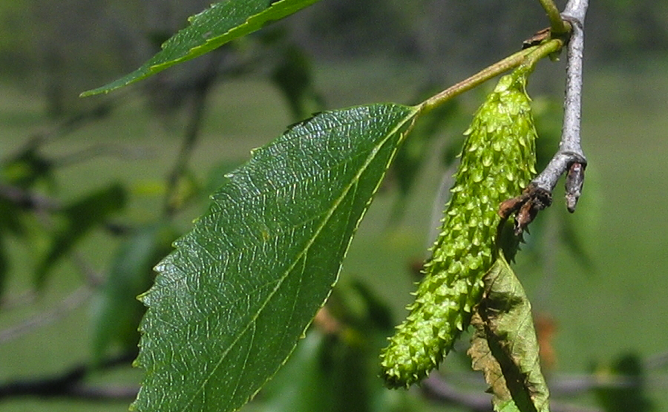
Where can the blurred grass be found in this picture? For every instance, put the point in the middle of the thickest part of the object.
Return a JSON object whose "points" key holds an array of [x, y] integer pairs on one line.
{"points": [[617, 306]]}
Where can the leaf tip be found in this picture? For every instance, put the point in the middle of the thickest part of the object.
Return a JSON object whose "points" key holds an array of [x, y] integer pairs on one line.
{"points": [[103, 89]]}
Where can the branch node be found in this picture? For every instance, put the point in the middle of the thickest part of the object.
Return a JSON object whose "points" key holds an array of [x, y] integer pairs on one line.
{"points": [[574, 181], [526, 206]]}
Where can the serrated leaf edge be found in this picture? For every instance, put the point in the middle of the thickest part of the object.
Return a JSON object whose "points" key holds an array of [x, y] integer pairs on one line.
{"points": [[145, 70], [532, 388], [409, 118]]}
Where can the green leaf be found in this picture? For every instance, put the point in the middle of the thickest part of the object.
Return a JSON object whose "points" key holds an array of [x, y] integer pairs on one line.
{"points": [[233, 299], [81, 217], [222, 22], [117, 312], [504, 346]]}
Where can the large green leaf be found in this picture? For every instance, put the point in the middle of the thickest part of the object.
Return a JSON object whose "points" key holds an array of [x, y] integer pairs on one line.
{"points": [[208, 30], [504, 346], [233, 299]]}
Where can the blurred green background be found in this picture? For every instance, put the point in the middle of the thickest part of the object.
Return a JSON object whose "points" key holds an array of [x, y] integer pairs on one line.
{"points": [[601, 303]]}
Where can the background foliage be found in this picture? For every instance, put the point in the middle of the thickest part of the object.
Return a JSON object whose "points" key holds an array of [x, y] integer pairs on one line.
{"points": [[346, 53]]}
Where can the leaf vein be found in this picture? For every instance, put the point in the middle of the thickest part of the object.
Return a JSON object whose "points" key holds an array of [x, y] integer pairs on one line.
{"points": [[353, 183]]}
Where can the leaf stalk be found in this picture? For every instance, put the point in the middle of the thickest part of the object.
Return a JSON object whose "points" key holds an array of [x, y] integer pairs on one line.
{"points": [[557, 24], [527, 57]]}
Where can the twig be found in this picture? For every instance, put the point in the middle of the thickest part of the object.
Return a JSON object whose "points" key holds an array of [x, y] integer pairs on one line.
{"points": [[571, 385], [478, 78], [104, 393], [545, 49], [570, 158], [576, 10], [557, 24], [437, 388], [69, 125], [657, 361], [527, 57], [91, 277], [201, 92], [71, 302], [566, 407], [69, 383], [67, 305], [28, 200], [99, 150], [14, 302]]}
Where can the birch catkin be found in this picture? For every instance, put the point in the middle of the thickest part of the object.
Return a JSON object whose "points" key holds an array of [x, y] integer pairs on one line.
{"points": [[497, 162]]}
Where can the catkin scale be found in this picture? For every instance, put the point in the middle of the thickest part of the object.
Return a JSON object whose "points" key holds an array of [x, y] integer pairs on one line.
{"points": [[497, 162]]}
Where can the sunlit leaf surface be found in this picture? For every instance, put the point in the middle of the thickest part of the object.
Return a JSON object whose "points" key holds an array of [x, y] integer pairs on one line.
{"points": [[231, 302], [222, 22]]}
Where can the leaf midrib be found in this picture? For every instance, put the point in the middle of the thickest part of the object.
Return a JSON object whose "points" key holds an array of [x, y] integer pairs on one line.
{"points": [[337, 202]]}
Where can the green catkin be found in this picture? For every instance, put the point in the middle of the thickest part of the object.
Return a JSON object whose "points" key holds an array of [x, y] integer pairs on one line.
{"points": [[497, 162]]}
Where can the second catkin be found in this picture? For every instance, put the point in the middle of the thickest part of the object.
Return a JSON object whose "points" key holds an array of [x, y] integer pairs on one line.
{"points": [[497, 163]]}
